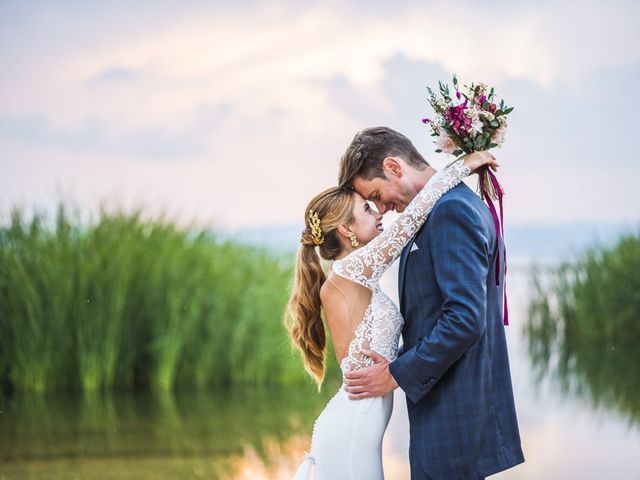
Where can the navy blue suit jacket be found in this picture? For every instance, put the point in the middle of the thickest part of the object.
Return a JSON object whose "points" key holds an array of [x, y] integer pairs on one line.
{"points": [[454, 367]]}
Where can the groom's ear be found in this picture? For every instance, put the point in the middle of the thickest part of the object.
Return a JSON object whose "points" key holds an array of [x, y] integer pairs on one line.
{"points": [[392, 167]]}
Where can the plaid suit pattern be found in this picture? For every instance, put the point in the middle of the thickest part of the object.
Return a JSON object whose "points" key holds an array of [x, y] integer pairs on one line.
{"points": [[454, 367]]}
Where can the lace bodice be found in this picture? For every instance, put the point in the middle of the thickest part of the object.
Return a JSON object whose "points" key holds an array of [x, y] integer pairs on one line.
{"points": [[379, 330]]}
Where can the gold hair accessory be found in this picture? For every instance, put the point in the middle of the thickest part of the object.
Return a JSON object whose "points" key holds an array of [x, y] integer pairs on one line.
{"points": [[314, 225], [354, 241]]}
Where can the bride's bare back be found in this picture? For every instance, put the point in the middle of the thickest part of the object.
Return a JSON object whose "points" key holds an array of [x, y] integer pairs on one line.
{"points": [[344, 303]]}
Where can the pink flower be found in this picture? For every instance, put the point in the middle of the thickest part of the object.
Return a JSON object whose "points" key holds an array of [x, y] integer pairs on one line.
{"points": [[445, 143], [456, 117], [498, 135]]}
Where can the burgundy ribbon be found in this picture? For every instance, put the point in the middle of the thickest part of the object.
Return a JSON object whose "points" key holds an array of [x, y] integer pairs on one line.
{"points": [[499, 224]]}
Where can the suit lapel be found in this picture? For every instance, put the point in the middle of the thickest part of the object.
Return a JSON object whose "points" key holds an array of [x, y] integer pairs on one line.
{"points": [[403, 269], [404, 257]]}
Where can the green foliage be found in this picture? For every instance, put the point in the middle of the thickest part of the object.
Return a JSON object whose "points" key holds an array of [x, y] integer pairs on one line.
{"points": [[584, 322], [125, 302]]}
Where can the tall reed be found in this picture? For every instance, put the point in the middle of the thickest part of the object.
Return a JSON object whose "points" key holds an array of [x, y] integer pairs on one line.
{"points": [[584, 323], [126, 301]]}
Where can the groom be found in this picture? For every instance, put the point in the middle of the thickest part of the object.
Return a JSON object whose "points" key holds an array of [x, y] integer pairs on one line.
{"points": [[454, 368]]}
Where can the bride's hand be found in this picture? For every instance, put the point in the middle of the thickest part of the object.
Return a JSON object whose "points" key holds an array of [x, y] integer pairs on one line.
{"points": [[475, 160]]}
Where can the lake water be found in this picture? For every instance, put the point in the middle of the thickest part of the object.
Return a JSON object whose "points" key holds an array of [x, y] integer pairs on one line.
{"points": [[567, 433]]}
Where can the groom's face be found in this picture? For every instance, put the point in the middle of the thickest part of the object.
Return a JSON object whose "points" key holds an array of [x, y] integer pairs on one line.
{"points": [[388, 194]]}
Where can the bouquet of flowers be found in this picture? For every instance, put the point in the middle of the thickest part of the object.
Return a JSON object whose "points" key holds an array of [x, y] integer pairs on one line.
{"points": [[473, 121]]}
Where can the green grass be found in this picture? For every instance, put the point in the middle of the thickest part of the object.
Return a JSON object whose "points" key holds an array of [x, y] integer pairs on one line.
{"points": [[584, 323], [125, 302]]}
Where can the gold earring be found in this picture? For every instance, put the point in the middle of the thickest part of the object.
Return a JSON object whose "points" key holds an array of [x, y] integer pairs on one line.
{"points": [[354, 241]]}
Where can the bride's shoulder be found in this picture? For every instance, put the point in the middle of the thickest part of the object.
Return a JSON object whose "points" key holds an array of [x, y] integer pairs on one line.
{"points": [[334, 297], [334, 283], [339, 290], [330, 289]]}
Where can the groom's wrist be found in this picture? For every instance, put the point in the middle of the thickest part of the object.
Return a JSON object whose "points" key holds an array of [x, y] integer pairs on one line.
{"points": [[394, 384]]}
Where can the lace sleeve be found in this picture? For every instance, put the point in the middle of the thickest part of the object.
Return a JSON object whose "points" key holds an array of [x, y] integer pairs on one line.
{"points": [[367, 264]]}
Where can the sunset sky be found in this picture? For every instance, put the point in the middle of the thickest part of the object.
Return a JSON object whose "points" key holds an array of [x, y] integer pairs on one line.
{"points": [[236, 113]]}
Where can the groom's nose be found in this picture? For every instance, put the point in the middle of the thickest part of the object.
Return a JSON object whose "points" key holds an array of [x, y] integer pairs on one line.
{"points": [[381, 207]]}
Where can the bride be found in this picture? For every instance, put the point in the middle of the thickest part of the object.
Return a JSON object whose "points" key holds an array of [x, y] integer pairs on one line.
{"points": [[347, 436]]}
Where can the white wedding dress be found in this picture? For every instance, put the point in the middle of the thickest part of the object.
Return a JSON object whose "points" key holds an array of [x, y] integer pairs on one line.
{"points": [[347, 436]]}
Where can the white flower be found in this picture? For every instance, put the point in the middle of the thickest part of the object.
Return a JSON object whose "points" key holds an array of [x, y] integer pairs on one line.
{"points": [[488, 115], [441, 104], [476, 127], [472, 114], [502, 120]]}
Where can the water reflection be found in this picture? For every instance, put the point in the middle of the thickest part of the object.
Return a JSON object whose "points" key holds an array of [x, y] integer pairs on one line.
{"points": [[221, 435], [605, 369]]}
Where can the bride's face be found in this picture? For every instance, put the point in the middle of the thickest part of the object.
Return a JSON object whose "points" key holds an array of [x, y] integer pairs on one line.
{"points": [[367, 222]]}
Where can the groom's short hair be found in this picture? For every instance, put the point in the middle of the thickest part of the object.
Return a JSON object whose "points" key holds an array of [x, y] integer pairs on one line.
{"points": [[369, 148]]}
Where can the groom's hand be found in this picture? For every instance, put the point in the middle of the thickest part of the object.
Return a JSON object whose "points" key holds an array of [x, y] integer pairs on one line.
{"points": [[374, 381]]}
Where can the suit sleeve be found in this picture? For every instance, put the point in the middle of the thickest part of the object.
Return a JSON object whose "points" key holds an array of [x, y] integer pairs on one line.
{"points": [[460, 254]]}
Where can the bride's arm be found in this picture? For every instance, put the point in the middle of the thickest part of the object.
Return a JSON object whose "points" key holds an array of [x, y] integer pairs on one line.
{"points": [[367, 264]]}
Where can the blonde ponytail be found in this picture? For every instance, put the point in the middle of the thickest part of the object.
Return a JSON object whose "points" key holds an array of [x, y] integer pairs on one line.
{"points": [[307, 329], [303, 316]]}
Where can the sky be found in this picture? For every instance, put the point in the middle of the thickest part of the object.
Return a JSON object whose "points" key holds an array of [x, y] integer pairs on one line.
{"points": [[234, 114]]}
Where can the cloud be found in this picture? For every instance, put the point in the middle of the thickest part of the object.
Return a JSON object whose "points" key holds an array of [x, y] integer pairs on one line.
{"points": [[96, 136], [250, 107], [113, 74], [263, 56]]}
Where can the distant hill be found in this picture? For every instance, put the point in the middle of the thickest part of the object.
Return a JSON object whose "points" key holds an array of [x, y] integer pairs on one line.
{"points": [[526, 244]]}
